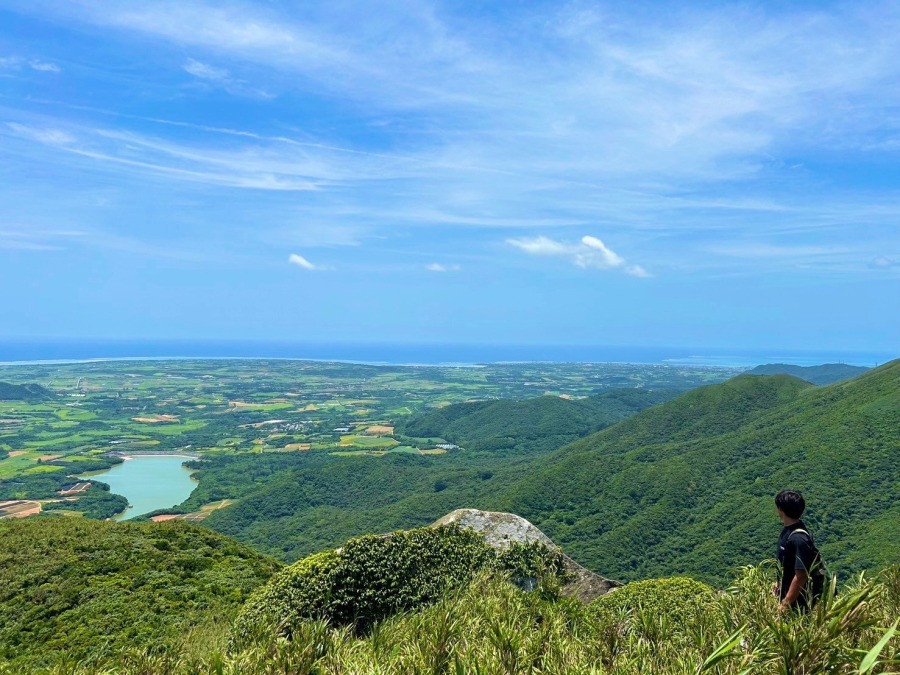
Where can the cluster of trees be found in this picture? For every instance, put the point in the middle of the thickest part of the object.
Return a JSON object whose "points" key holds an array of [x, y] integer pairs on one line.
{"points": [[83, 590]]}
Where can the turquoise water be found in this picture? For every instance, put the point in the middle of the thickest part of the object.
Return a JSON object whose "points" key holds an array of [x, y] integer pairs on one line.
{"points": [[149, 482]]}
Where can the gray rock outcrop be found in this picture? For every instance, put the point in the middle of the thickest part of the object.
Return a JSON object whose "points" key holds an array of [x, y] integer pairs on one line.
{"points": [[499, 530]]}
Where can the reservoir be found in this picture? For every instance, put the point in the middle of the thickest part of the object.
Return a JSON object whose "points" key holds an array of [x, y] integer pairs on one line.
{"points": [[148, 482]]}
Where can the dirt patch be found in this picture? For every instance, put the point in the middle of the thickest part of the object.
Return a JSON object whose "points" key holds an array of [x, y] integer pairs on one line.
{"points": [[156, 419], [19, 509], [243, 404], [78, 488], [196, 516], [49, 458], [379, 430], [298, 447], [17, 453], [433, 451]]}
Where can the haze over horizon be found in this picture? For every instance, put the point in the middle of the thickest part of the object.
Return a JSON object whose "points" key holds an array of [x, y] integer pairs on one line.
{"points": [[556, 173]]}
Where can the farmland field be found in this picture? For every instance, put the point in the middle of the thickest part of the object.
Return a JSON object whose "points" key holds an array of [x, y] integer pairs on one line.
{"points": [[96, 412]]}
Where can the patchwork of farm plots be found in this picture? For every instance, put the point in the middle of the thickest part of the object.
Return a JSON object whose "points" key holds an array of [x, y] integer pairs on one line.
{"points": [[236, 406]]}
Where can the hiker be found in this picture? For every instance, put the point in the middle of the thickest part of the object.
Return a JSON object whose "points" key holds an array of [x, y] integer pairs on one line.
{"points": [[802, 573]]}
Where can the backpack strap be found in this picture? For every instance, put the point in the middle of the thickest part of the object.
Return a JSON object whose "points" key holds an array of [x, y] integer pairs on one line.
{"points": [[818, 557], [793, 532]]}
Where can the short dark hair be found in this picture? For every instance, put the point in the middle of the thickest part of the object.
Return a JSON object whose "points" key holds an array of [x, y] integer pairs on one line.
{"points": [[791, 502]]}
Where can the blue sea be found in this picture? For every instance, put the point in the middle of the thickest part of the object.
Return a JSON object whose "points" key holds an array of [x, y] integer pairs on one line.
{"points": [[17, 351]]}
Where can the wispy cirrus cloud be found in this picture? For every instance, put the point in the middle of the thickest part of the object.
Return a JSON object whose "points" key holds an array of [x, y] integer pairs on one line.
{"points": [[589, 252], [254, 168], [680, 125], [221, 77], [17, 63], [30, 238]]}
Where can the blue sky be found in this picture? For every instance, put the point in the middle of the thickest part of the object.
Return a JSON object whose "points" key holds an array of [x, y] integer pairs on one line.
{"points": [[706, 174]]}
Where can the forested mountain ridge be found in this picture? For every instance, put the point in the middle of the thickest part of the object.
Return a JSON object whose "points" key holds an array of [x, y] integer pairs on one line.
{"points": [[542, 423], [687, 486], [23, 392], [827, 373]]}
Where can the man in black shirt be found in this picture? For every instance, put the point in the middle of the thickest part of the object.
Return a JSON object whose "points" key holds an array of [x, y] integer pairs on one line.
{"points": [[797, 554]]}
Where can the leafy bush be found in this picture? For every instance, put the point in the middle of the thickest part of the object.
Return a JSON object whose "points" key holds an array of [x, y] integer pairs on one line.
{"points": [[374, 577], [678, 599]]}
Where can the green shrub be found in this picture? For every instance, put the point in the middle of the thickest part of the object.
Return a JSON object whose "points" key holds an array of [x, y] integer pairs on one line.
{"points": [[301, 591], [374, 577], [658, 609]]}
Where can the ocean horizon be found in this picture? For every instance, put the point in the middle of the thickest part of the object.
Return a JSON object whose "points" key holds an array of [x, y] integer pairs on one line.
{"points": [[21, 352]]}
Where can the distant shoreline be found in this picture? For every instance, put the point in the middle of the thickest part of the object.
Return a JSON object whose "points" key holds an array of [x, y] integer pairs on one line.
{"points": [[131, 455], [49, 352]]}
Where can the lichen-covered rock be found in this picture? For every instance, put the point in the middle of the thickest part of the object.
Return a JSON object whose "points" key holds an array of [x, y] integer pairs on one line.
{"points": [[501, 530]]}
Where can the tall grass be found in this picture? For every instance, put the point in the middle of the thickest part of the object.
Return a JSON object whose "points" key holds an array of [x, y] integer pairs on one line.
{"points": [[492, 627]]}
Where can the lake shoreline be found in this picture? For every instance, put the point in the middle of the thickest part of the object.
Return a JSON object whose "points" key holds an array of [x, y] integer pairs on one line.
{"points": [[148, 486]]}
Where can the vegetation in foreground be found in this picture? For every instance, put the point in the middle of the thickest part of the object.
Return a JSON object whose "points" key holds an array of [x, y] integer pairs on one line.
{"points": [[160, 599], [492, 626], [73, 588]]}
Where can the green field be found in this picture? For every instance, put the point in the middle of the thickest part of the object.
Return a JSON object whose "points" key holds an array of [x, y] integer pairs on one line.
{"points": [[223, 408]]}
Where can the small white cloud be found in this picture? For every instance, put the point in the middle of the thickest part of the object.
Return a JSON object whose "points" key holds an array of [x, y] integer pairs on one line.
{"points": [[206, 72], [300, 261], [883, 263], [590, 252], [438, 267], [45, 67], [637, 271], [10, 63], [599, 255], [540, 246]]}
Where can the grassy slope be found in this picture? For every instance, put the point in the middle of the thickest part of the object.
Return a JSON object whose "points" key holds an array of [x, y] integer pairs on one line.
{"points": [[84, 587], [687, 487]]}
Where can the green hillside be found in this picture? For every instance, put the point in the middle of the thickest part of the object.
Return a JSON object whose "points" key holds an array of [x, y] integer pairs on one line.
{"points": [[85, 589], [828, 373], [23, 392], [294, 504], [543, 423], [682, 487], [687, 487]]}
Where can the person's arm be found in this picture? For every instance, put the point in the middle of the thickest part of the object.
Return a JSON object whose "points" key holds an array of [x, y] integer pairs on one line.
{"points": [[798, 583]]}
